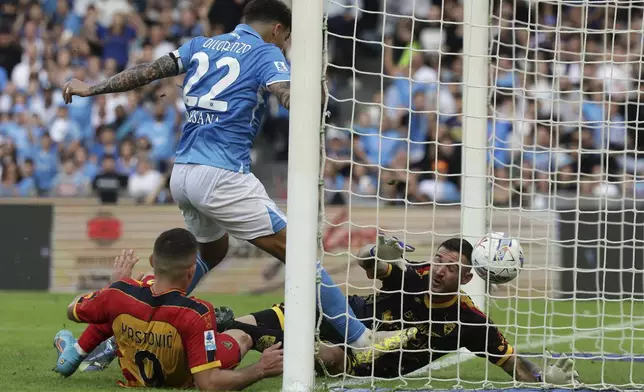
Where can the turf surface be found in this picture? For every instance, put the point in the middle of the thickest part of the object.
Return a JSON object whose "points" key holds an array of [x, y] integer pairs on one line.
{"points": [[28, 322]]}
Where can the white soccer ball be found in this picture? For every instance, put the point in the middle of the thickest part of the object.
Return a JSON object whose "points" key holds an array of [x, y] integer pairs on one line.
{"points": [[497, 258]]}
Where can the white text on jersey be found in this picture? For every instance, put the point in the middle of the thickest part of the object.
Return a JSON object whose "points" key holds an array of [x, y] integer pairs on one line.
{"points": [[227, 46], [200, 117]]}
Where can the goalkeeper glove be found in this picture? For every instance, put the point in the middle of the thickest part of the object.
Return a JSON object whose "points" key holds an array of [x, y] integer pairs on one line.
{"points": [[561, 372], [225, 318], [387, 249]]}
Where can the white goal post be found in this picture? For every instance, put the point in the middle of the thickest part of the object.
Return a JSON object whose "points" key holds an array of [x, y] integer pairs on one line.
{"points": [[303, 174], [475, 96], [530, 127]]}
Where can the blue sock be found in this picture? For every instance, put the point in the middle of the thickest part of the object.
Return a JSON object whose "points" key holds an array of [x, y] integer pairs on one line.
{"points": [[334, 303], [200, 272]]}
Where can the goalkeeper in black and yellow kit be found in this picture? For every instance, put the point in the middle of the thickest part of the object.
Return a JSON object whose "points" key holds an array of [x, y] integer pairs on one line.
{"points": [[422, 295]]}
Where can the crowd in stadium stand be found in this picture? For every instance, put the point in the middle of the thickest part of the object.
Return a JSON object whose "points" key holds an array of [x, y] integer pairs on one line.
{"points": [[564, 107]]}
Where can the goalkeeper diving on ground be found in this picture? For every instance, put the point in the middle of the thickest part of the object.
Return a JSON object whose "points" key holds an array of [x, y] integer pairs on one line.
{"points": [[434, 320], [430, 301]]}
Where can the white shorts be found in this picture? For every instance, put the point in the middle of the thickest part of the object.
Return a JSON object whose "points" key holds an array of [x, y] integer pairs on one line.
{"points": [[217, 201]]}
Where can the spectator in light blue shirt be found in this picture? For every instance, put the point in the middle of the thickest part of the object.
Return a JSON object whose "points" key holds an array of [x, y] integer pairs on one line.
{"points": [[10, 178], [381, 148], [160, 135], [70, 182], [593, 118], [26, 187], [45, 159], [80, 110], [106, 144], [540, 154], [398, 95], [65, 17], [86, 165], [505, 76], [127, 161], [401, 90], [64, 130], [418, 128], [137, 115], [17, 130]]}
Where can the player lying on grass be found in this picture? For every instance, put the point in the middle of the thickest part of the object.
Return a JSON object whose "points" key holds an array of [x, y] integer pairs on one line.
{"points": [[72, 354], [432, 302], [164, 338], [228, 80]]}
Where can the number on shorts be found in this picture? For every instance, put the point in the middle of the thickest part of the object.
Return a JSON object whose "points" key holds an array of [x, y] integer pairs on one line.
{"points": [[208, 101]]}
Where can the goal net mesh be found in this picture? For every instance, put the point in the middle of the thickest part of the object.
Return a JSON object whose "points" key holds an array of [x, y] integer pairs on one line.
{"points": [[564, 171]]}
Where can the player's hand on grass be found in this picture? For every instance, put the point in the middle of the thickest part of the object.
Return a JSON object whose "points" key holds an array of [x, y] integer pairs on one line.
{"points": [[123, 265], [75, 87], [561, 373], [272, 360]]}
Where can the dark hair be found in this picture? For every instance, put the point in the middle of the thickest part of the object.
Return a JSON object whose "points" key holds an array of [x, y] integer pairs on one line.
{"points": [[5, 172], [268, 11], [459, 245], [173, 247]]}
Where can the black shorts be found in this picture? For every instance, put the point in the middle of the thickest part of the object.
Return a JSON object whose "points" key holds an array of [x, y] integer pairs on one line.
{"points": [[393, 366]]}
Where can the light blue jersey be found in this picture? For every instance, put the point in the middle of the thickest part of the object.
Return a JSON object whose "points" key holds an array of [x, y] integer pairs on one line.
{"points": [[225, 94]]}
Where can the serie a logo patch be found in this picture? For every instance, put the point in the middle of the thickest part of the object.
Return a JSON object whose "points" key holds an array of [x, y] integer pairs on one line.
{"points": [[209, 340], [281, 66]]}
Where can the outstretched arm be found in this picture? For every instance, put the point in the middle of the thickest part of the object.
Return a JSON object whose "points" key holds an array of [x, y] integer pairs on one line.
{"points": [[560, 373], [372, 267], [282, 91], [526, 371], [379, 259], [131, 78]]}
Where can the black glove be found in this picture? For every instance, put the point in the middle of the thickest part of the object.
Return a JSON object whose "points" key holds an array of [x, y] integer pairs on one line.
{"points": [[225, 317]]}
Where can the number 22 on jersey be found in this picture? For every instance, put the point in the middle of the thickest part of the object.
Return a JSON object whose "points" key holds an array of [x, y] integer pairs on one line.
{"points": [[209, 101]]}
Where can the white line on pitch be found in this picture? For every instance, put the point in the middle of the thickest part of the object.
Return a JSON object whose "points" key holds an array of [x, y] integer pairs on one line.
{"points": [[464, 355]]}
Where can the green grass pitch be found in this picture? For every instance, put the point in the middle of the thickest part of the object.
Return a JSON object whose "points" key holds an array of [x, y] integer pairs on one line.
{"points": [[28, 322]]}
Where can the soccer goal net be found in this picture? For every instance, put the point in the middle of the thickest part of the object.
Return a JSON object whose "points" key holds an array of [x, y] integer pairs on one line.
{"points": [[459, 118]]}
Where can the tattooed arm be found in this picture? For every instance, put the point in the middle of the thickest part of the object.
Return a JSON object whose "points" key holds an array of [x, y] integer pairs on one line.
{"points": [[131, 78], [282, 90]]}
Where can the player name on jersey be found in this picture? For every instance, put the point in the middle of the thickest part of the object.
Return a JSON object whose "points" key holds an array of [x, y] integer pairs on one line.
{"points": [[151, 338], [200, 117], [227, 46]]}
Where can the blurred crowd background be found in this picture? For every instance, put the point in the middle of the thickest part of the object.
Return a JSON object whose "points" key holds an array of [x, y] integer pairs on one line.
{"points": [[564, 107]]}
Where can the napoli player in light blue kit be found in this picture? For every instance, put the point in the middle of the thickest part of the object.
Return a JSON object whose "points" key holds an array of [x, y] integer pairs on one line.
{"points": [[227, 82]]}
